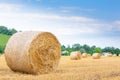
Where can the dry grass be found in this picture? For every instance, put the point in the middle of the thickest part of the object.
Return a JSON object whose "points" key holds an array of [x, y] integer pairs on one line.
{"points": [[106, 68]]}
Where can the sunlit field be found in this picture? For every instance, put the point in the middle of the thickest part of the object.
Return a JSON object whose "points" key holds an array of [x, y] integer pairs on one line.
{"points": [[106, 68]]}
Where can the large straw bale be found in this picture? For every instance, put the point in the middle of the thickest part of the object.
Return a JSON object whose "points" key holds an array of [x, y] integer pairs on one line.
{"points": [[76, 55], [96, 56], [84, 55], [33, 52]]}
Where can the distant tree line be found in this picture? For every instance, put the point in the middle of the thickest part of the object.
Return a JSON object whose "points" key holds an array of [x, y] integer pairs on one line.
{"points": [[88, 49], [5, 30]]}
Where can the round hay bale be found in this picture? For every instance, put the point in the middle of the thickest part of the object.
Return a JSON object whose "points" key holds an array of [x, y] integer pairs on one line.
{"points": [[96, 56], [114, 55], [109, 55], [88, 55], [75, 55], [84, 55], [119, 54], [33, 52]]}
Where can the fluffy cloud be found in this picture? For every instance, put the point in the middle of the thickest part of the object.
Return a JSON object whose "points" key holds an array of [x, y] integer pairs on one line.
{"points": [[117, 24], [5, 7], [72, 8], [60, 25], [64, 25]]}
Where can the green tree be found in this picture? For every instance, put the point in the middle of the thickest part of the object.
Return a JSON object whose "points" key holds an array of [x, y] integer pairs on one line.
{"points": [[82, 50], [109, 49], [97, 50], [117, 51], [3, 30], [1, 51], [76, 47], [87, 48], [92, 49], [11, 31], [69, 49], [63, 48]]}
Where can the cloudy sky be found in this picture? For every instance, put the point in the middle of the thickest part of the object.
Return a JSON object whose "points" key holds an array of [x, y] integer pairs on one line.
{"points": [[92, 22]]}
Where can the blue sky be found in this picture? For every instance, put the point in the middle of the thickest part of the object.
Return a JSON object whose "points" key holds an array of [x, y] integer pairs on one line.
{"points": [[92, 22]]}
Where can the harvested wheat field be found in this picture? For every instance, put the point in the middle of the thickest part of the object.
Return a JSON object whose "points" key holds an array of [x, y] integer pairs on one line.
{"points": [[106, 68]]}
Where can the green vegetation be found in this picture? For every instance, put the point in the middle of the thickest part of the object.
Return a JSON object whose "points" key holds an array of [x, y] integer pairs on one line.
{"points": [[97, 50], [5, 34], [3, 40], [88, 49], [5, 30]]}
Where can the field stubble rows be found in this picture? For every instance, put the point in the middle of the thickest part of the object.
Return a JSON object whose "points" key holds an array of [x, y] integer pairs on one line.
{"points": [[106, 68]]}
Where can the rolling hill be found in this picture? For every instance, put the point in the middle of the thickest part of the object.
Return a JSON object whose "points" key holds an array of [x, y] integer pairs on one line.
{"points": [[3, 40]]}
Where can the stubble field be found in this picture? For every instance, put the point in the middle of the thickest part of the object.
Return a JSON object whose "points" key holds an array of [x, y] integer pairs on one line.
{"points": [[106, 68]]}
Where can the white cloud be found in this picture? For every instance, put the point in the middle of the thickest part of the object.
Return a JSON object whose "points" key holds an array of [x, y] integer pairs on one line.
{"points": [[117, 22], [6, 7], [60, 25], [111, 26], [67, 24], [68, 29], [74, 8], [65, 18]]}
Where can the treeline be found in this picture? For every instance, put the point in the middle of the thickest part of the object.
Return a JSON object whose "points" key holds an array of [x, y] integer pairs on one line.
{"points": [[66, 50], [5, 30]]}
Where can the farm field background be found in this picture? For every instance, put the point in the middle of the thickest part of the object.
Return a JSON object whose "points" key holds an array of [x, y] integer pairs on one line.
{"points": [[106, 68], [3, 40]]}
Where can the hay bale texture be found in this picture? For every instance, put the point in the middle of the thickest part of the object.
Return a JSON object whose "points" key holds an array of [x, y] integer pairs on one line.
{"points": [[109, 55], [119, 55], [114, 55], [96, 56], [33, 52], [76, 55], [84, 55], [89, 55]]}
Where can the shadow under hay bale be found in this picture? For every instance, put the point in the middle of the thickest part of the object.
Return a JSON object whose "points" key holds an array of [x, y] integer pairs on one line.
{"points": [[33, 52]]}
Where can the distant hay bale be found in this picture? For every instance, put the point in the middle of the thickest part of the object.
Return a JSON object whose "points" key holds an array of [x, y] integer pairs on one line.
{"points": [[114, 55], [119, 54], [33, 52], [109, 55], [96, 56], [75, 55], [84, 55], [88, 55]]}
